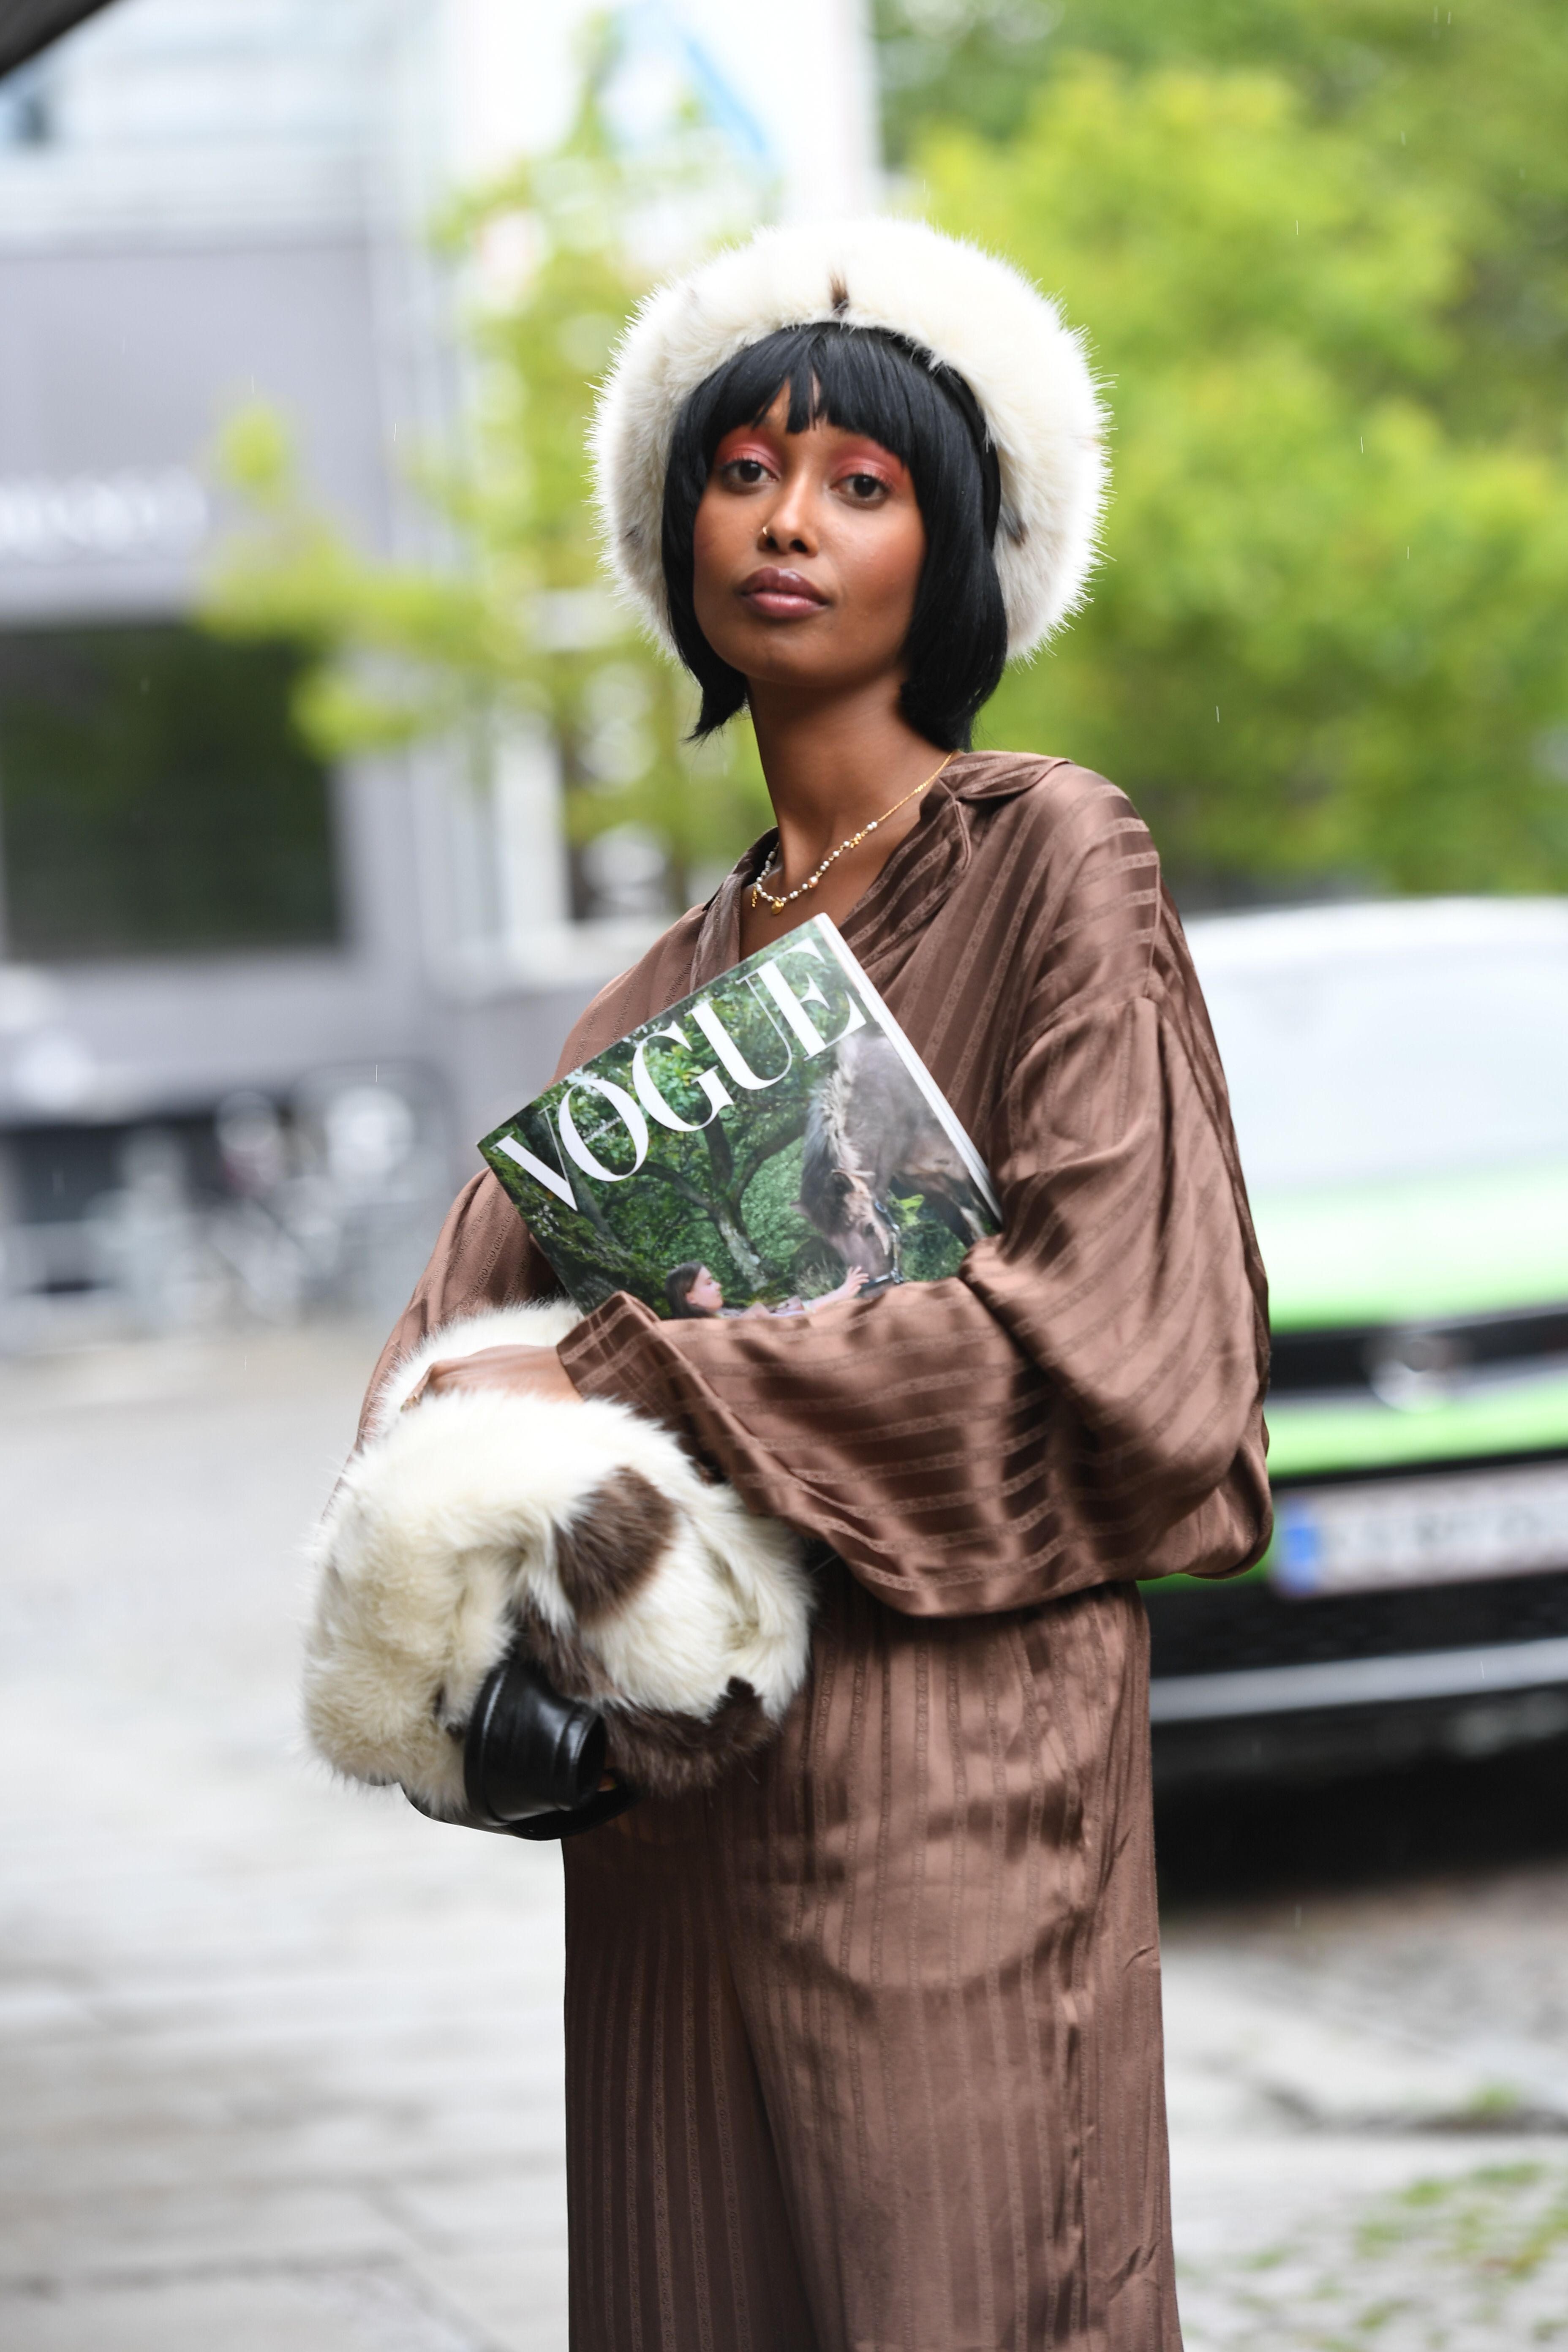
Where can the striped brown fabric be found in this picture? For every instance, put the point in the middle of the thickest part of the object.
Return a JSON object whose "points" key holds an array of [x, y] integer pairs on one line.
{"points": [[864, 2050]]}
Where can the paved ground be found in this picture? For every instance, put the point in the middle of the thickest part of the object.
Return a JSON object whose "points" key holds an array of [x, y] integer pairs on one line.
{"points": [[281, 2065]]}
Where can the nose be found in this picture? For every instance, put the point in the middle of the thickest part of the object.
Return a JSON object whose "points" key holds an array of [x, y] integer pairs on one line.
{"points": [[789, 524]]}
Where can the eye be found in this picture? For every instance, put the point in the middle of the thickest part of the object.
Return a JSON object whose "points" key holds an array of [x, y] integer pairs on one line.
{"points": [[743, 473], [864, 488]]}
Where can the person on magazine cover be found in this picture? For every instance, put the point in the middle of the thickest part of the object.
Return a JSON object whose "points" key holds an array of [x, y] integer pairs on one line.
{"points": [[693, 1291], [864, 2041]]}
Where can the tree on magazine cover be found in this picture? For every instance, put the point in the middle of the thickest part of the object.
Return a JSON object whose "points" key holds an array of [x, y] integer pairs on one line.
{"points": [[723, 1193]]}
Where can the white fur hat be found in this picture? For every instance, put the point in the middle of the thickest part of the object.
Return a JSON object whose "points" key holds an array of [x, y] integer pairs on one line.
{"points": [[975, 313]]}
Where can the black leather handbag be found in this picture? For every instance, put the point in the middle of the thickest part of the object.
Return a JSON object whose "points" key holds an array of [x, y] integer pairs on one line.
{"points": [[534, 1762]]}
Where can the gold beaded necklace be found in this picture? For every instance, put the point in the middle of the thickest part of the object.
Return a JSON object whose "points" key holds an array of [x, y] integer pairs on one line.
{"points": [[759, 888]]}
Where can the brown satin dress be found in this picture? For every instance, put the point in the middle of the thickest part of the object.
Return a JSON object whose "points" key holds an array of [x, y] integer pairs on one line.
{"points": [[864, 2049]]}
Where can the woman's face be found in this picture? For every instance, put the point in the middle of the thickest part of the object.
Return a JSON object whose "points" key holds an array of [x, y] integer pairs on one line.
{"points": [[705, 1294], [808, 554]]}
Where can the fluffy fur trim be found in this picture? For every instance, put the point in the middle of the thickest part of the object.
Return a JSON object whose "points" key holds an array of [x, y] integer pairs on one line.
{"points": [[476, 1518], [976, 313]]}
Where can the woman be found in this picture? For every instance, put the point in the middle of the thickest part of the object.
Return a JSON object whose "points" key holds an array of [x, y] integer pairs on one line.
{"points": [[864, 2047], [694, 1290]]}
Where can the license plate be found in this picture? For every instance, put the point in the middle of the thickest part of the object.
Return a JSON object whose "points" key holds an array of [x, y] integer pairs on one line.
{"points": [[1388, 1532]]}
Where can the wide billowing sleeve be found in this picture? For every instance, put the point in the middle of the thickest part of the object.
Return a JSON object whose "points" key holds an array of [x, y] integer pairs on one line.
{"points": [[484, 1256], [1082, 1401]]}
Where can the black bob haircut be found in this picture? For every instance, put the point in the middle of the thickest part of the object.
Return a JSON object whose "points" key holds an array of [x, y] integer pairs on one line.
{"points": [[862, 379]]}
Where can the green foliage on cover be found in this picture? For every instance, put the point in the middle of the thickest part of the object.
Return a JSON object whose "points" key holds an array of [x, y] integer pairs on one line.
{"points": [[930, 1252], [694, 1194], [727, 1190], [782, 1236]]}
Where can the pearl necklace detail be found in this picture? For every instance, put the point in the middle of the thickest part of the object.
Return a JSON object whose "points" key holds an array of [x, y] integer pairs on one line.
{"points": [[760, 889]]}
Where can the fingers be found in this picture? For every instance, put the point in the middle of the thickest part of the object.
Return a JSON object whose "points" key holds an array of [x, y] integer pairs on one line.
{"points": [[509, 1370], [434, 1378], [456, 1372]]}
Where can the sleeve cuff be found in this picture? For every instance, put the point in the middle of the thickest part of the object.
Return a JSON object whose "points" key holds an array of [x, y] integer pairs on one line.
{"points": [[606, 1355]]}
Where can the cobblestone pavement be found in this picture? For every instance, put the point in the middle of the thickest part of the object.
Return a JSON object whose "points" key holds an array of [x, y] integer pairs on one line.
{"points": [[1368, 2099], [280, 2062]]}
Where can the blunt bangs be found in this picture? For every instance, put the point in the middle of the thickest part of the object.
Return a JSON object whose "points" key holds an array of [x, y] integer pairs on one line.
{"points": [[861, 380]]}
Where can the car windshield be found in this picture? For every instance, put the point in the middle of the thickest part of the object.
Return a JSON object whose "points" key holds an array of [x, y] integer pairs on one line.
{"points": [[1434, 1060]]}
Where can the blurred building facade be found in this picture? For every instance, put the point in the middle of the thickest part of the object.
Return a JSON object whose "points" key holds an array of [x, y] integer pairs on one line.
{"points": [[253, 1014]]}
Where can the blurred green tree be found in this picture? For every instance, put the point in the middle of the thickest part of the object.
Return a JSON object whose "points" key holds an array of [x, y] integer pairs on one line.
{"points": [[1471, 100], [1328, 642], [971, 61], [1321, 250], [514, 625]]}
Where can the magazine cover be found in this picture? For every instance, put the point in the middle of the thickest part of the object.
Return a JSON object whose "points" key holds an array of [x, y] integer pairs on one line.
{"points": [[770, 1144]]}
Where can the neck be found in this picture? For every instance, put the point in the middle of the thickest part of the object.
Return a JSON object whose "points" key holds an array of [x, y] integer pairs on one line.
{"points": [[832, 766]]}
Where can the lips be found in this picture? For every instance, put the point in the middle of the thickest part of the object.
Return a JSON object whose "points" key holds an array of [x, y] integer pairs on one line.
{"points": [[781, 595]]}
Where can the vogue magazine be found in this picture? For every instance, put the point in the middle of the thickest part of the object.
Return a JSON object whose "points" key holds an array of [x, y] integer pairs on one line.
{"points": [[771, 1141]]}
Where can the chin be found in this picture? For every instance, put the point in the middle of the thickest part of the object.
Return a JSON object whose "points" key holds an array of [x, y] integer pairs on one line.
{"points": [[762, 642], [794, 652]]}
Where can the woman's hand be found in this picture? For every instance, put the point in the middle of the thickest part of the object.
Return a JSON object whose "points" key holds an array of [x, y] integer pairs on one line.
{"points": [[517, 1371]]}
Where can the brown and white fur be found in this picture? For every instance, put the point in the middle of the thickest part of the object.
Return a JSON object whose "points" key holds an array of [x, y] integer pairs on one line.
{"points": [[479, 1519]]}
